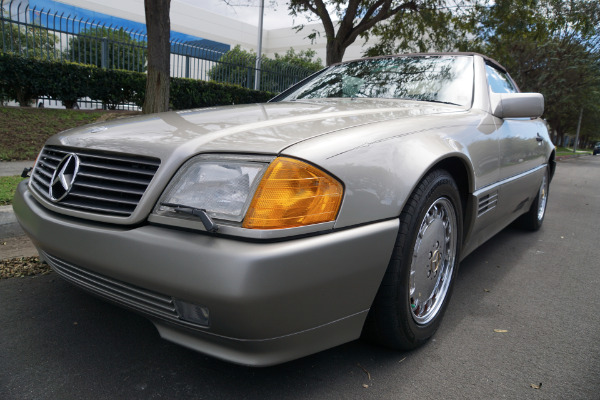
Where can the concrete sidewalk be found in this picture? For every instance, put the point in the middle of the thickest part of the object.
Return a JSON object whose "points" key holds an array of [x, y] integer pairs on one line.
{"points": [[13, 242], [12, 168]]}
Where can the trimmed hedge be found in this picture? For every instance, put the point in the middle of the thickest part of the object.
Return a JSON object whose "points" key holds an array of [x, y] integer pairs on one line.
{"points": [[18, 79], [24, 79], [191, 93]]}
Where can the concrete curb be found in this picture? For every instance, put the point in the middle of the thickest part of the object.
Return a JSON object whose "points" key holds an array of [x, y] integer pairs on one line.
{"points": [[7, 215]]}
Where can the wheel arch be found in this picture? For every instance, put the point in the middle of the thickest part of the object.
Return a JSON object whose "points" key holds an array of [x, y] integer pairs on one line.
{"points": [[378, 327], [461, 172], [552, 164]]}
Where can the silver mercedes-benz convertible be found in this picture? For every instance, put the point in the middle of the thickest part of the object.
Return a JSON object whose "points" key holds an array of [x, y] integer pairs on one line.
{"points": [[266, 232]]}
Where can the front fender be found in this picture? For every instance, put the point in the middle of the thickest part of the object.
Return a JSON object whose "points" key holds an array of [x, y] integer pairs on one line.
{"points": [[380, 174]]}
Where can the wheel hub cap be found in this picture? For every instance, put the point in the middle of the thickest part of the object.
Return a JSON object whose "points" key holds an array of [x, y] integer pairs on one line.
{"points": [[543, 197], [433, 261]]}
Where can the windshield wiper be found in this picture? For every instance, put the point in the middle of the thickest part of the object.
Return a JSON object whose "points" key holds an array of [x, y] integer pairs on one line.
{"points": [[441, 102], [208, 223]]}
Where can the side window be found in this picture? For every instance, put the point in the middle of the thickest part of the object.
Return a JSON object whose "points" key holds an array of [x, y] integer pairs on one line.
{"points": [[499, 81]]}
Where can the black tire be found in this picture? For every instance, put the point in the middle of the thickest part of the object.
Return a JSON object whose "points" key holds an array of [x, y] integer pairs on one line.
{"points": [[399, 319], [534, 218]]}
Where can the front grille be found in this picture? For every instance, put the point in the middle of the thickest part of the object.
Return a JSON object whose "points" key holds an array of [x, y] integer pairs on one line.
{"points": [[148, 302], [105, 183]]}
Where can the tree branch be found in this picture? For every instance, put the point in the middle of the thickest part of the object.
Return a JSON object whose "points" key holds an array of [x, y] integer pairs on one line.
{"points": [[366, 24]]}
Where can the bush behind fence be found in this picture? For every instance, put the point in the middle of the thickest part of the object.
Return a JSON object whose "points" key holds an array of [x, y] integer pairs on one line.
{"points": [[24, 79], [50, 36]]}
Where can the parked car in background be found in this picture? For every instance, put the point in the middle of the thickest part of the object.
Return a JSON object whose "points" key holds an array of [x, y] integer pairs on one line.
{"points": [[597, 148], [266, 232]]}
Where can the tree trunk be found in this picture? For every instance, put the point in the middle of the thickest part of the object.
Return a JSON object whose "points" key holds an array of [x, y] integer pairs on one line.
{"points": [[335, 52], [560, 134], [158, 24]]}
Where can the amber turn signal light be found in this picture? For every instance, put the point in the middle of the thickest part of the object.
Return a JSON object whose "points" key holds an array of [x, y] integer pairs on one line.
{"points": [[293, 193]]}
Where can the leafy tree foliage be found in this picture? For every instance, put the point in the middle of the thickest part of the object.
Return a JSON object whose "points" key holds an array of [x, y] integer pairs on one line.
{"points": [[358, 17], [121, 50], [434, 26], [30, 41], [551, 47], [303, 59], [237, 66]]}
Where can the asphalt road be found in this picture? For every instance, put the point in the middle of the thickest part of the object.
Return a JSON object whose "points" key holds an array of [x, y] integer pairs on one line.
{"points": [[541, 290]]}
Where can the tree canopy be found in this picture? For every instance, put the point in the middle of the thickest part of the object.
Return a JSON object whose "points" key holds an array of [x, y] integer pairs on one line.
{"points": [[548, 46], [551, 47], [433, 26], [120, 50], [302, 59], [28, 41], [237, 66], [358, 17]]}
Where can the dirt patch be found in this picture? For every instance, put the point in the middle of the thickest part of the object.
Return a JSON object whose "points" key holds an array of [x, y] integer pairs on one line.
{"points": [[19, 246], [19, 258], [22, 266]]}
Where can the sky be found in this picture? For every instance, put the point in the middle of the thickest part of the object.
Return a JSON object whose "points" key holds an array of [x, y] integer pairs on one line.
{"points": [[53, 11], [276, 13]]}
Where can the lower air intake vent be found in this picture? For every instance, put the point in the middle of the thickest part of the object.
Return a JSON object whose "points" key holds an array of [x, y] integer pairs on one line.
{"points": [[143, 300], [487, 203]]}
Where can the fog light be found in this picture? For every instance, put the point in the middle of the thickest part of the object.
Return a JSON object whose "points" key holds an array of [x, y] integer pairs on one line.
{"points": [[193, 313]]}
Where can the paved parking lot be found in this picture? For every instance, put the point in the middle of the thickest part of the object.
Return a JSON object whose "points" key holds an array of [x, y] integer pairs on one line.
{"points": [[523, 324]]}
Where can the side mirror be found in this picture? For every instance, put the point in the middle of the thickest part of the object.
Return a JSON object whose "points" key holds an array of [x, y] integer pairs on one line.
{"points": [[517, 105]]}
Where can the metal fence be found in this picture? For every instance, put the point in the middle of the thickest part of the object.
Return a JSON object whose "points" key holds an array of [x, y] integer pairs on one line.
{"points": [[52, 35]]}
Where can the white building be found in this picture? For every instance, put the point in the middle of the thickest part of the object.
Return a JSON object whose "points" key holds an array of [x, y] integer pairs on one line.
{"points": [[195, 20]]}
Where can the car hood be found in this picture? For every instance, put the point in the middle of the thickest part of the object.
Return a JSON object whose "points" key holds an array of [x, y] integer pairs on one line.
{"points": [[257, 128]]}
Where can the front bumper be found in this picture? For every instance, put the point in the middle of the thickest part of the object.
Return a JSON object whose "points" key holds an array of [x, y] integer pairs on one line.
{"points": [[269, 302]]}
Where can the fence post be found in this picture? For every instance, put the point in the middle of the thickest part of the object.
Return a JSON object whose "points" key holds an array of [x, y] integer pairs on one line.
{"points": [[78, 41], [104, 53], [249, 83]]}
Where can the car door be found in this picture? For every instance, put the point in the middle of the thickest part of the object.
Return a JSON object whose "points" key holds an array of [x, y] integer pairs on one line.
{"points": [[521, 151]]}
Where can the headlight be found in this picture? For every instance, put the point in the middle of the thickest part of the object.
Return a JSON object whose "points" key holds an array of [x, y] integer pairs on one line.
{"points": [[222, 186], [286, 193]]}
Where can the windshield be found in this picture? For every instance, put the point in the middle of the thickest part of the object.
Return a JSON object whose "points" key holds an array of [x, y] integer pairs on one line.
{"points": [[446, 79]]}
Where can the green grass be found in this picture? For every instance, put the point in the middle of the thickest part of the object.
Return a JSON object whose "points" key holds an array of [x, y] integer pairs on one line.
{"points": [[565, 151], [8, 186], [23, 131]]}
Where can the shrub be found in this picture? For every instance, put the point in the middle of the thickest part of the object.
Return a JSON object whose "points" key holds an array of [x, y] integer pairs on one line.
{"points": [[191, 93], [67, 81], [21, 80], [24, 79], [113, 87]]}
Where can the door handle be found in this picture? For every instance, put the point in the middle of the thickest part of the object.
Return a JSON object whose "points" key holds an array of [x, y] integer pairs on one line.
{"points": [[539, 138]]}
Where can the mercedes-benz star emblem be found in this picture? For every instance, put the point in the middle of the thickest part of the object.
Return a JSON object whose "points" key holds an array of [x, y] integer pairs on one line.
{"points": [[63, 178]]}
